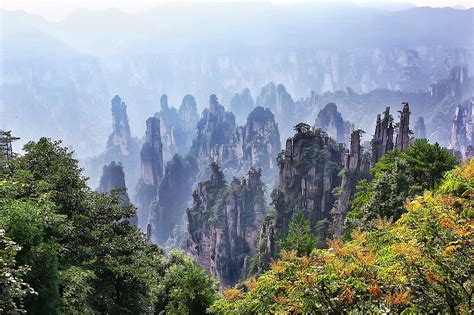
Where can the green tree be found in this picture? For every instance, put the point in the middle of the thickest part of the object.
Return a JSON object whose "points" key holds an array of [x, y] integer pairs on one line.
{"points": [[13, 289], [299, 237]]}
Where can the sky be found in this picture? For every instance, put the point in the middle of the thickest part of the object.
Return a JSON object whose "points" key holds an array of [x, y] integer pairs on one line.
{"points": [[59, 9]]}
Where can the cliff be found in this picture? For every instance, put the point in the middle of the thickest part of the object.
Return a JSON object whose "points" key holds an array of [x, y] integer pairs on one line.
{"points": [[215, 127], [121, 147], [355, 167], [112, 178], [173, 135], [189, 118], [382, 141], [330, 120], [403, 129], [462, 130], [151, 156], [419, 131], [241, 104], [308, 173], [174, 193], [223, 223]]}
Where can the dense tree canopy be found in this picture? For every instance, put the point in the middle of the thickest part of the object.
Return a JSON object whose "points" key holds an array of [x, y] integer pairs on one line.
{"points": [[83, 254]]}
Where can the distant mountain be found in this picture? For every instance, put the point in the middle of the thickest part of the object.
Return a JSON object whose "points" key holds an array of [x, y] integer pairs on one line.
{"points": [[58, 77]]}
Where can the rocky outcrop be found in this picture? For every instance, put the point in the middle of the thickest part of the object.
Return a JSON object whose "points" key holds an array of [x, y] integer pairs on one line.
{"points": [[242, 104], [261, 143], [266, 245], [309, 168], [280, 103], [235, 148], [189, 117], [451, 87], [216, 127], [112, 178], [330, 120], [173, 135], [382, 141], [403, 129], [175, 191], [419, 131], [120, 138], [462, 130], [355, 166], [223, 223], [151, 156], [121, 147]]}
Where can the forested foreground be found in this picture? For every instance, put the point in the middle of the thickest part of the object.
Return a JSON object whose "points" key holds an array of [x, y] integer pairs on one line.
{"points": [[408, 247]]}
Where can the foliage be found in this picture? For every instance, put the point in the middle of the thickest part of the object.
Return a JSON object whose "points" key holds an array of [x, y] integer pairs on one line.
{"points": [[397, 177], [299, 237], [13, 288], [421, 263], [84, 255]]}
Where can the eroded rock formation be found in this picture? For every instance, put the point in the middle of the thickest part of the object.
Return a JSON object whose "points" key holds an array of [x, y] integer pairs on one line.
{"points": [[403, 129], [112, 178], [309, 168], [151, 156], [382, 141], [355, 166], [223, 223], [330, 120], [121, 147], [174, 194], [419, 131], [242, 104], [173, 135], [189, 117], [462, 130]]}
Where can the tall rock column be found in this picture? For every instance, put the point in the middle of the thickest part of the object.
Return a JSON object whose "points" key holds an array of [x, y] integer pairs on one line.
{"points": [[151, 156], [403, 136], [223, 223], [355, 165], [309, 168], [382, 141], [120, 136], [419, 131], [174, 193]]}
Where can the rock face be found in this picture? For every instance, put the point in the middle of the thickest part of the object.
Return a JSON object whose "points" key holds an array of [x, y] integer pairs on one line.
{"points": [[330, 120], [151, 156], [453, 86], [309, 168], [173, 135], [121, 147], [216, 127], [261, 142], [462, 130], [356, 165], [241, 104], [419, 131], [113, 177], [280, 103], [403, 136], [223, 223], [120, 138], [235, 148], [189, 117], [173, 196], [382, 141]]}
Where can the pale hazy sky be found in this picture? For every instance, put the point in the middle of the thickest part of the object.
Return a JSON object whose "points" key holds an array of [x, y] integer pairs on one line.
{"points": [[58, 9]]}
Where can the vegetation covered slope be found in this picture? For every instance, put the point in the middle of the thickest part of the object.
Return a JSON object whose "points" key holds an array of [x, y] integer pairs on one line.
{"points": [[67, 249], [420, 263]]}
